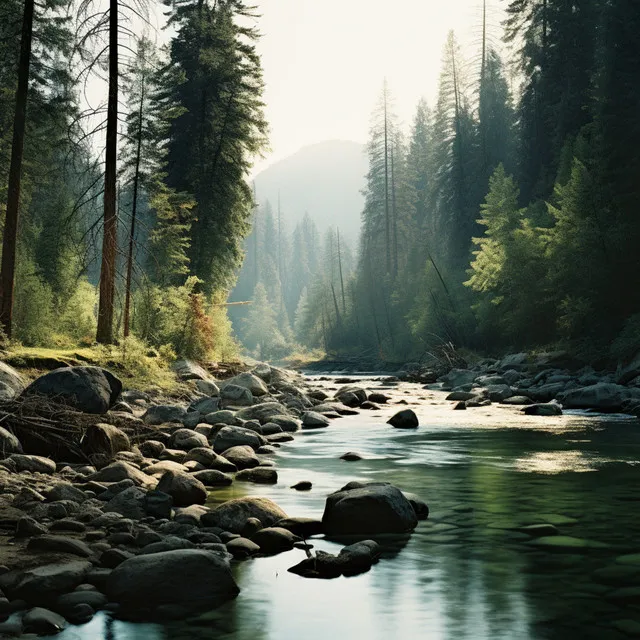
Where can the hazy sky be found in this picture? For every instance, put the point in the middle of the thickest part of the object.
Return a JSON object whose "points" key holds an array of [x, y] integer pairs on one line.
{"points": [[324, 61]]}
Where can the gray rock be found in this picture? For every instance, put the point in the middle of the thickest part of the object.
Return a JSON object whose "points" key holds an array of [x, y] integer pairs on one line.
{"points": [[243, 457], [213, 478], [460, 396], [117, 471], [406, 419], [183, 488], [41, 583], [236, 396], [253, 383], [272, 540], [205, 406], [66, 602], [313, 420], [303, 485], [11, 378], [162, 413], [263, 371], [43, 622], [87, 389], [358, 392], [34, 464], [66, 491], [192, 578], [603, 396], [544, 409], [518, 400], [303, 527], [419, 506], [27, 527], [263, 412], [158, 504], [233, 514], [160, 468], [286, 423], [151, 448], [351, 456], [80, 614], [230, 436], [224, 416], [105, 439], [67, 525], [60, 544], [457, 378], [129, 503], [499, 392], [170, 543], [373, 508], [208, 387], [242, 548], [258, 475], [8, 442], [186, 439], [189, 370]]}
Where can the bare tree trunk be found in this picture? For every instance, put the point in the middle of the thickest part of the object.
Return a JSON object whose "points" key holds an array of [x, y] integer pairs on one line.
{"points": [[335, 304], [134, 210], [344, 302], [256, 271], [386, 182], [394, 211], [108, 268], [9, 241]]}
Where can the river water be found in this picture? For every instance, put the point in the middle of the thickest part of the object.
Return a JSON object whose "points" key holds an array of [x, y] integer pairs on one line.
{"points": [[467, 572]]}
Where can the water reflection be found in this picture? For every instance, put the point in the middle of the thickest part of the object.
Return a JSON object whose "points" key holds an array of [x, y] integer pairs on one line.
{"points": [[468, 573]]}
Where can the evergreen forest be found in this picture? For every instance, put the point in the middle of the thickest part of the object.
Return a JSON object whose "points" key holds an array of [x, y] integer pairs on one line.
{"points": [[504, 216]]}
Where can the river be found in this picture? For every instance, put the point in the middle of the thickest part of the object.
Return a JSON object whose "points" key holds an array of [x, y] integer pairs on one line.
{"points": [[467, 573]]}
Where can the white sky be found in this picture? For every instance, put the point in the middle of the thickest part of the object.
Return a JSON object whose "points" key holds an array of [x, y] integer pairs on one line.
{"points": [[325, 60]]}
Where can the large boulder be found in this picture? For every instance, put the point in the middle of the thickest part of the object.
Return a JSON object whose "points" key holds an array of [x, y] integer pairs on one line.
{"points": [[249, 381], [33, 464], [457, 378], [263, 412], [235, 396], [161, 413], [183, 488], [105, 439], [11, 382], [189, 370], [8, 443], [345, 394], [242, 457], [182, 580], [130, 503], [314, 420], [186, 439], [233, 514], [117, 471], [406, 419], [230, 436], [603, 396], [87, 389], [369, 509], [42, 583]]}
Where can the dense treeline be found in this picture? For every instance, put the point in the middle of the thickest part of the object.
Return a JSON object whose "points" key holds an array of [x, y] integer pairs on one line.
{"points": [[144, 241], [508, 217], [297, 285]]}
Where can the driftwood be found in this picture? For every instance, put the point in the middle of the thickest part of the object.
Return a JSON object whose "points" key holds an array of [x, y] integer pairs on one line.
{"points": [[47, 428]]}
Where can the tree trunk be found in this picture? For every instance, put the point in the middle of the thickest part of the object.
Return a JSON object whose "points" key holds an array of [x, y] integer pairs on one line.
{"points": [[386, 183], [9, 241], [394, 212], [344, 301], [110, 227], [134, 210]]}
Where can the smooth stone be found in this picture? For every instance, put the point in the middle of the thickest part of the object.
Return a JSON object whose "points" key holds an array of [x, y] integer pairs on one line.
{"points": [[406, 419], [258, 475], [233, 514]]}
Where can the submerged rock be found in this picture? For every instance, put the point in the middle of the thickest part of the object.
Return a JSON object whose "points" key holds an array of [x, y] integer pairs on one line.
{"points": [[352, 560]]}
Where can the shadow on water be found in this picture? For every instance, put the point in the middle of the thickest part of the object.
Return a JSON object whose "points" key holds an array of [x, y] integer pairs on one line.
{"points": [[470, 572]]}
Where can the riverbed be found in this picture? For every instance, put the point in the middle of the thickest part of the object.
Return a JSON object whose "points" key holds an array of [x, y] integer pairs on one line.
{"points": [[469, 571]]}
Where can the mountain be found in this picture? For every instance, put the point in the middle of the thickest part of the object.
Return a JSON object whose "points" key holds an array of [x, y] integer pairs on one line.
{"points": [[325, 179]]}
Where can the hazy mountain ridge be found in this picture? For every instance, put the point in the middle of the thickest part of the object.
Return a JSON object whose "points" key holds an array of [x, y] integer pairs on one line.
{"points": [[324, 179]]}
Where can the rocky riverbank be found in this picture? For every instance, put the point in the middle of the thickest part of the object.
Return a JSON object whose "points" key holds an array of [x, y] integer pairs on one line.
{"points": [[103, 504]]}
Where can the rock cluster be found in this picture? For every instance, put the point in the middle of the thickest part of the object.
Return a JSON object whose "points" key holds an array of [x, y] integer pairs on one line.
{"points": [[132, 533]]}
